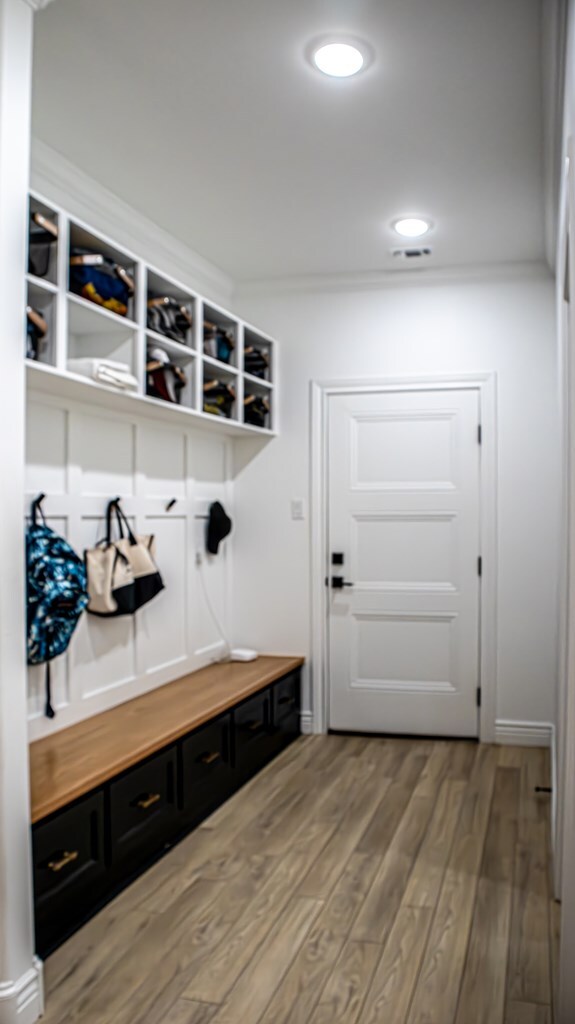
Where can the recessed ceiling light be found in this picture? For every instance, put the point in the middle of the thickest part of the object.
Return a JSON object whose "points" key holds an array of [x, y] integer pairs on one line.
{"points": [[412, 227], [340, 60]]}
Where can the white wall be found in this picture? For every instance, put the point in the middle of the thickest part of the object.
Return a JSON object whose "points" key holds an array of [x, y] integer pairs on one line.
{"points": [[504, 325], [81, 457]]}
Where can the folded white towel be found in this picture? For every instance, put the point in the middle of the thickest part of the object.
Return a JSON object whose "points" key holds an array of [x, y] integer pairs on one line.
{"points": [[105, 371]]}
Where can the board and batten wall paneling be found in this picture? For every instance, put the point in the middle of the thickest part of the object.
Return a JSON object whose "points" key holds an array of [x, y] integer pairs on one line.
{"points": [[80, 458]]}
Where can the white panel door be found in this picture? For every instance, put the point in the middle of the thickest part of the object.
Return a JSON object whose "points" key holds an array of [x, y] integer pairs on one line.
{"points": [[404, 514]]}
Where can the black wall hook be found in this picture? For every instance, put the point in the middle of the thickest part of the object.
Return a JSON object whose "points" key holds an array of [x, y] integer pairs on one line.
{"points": [[36, 508], [171, 504]]}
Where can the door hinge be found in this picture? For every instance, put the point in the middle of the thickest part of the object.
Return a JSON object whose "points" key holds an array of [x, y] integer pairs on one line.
{"points": [[480, 566], [479, 434], [478, 696]]}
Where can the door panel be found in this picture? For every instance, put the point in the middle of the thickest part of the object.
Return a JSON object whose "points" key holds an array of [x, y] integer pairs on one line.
{"points": [[396, 550], [404, 510], [387, 452]]}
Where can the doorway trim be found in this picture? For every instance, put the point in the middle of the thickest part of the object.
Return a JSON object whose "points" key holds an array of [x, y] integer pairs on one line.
{"points": [[320, 393]]}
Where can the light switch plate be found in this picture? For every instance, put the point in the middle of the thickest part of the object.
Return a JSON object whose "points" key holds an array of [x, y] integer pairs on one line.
{"points": [[297, 510]]}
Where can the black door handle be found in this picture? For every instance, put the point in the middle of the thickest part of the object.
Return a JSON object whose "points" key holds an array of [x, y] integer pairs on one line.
{"points": [[338, 583]]}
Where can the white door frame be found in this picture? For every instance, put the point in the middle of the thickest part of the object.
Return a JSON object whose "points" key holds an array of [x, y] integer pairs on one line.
{"points": [[565, 836], [321, 391]]}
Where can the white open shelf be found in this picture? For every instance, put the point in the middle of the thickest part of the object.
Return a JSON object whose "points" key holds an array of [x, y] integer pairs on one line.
{"points": [[79, 328], [89, 313], [176, 349], [41, 284], [257, 382], [218, 366], [45, 379]]}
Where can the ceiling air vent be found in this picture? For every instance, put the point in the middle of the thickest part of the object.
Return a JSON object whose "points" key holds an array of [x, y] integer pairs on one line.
{"points": [[411, 252]]}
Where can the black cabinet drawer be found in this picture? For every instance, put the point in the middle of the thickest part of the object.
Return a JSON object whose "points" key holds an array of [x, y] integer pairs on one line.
{"points": [[143, 808], [69, 850], [206, 768], [286, 699], [253, 733], [286, 703]]}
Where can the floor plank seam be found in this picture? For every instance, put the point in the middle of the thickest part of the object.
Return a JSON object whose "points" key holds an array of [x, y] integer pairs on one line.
{"points": [[473, 786], [466, 958], [433, 915], [385, 944]]}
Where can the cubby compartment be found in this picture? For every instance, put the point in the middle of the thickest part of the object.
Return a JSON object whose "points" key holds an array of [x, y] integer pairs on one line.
{"points": [[258, 356], [220, 336], [40, 324], [100, 254], [43, 241], [219, 393], [170, 310], [94, 335], [170, 371], [257, 408]]}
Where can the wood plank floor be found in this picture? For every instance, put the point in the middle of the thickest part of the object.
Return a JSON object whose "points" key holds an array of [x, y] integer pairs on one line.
{"points": [[354, 881]]}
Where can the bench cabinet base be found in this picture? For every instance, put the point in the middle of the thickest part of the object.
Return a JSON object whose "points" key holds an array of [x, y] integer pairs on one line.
{"points": [[89, 851]]}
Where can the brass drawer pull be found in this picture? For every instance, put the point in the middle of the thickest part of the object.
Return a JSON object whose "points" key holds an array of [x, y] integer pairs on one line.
{"points": [[210, 758], [254, 726], [286, 700], [148, 801], [68, 857]]}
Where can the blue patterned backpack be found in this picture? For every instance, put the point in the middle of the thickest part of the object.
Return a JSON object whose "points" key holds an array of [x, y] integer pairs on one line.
{"points": [[56, 593]]}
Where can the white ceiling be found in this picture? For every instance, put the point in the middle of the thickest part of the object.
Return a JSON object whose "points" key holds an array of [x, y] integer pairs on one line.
{"points": [[206, 115]]}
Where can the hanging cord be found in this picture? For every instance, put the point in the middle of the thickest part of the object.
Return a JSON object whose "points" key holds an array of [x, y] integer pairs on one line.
{"points": [[227, 646], [49, 709]]}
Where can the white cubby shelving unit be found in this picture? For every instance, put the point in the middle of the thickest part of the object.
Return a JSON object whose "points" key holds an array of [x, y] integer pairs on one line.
{"points": [[79, 328]]}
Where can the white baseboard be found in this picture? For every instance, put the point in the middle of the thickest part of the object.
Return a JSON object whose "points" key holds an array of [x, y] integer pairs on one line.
{"points": [[306, 722], [523, 734], [22, 1001], [507, 731]]}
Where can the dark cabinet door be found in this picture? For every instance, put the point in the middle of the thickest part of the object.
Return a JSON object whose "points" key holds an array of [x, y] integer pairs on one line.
{"points": [[253, 734], [143, 808], [287, 704], [69, 866], [207, 778]]}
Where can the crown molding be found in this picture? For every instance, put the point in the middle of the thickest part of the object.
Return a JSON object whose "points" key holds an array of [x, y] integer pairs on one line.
{"points": [[532, 270], [66, 185]]}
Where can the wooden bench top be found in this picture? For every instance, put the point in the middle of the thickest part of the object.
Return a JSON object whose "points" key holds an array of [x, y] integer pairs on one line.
{"points": [[75, 760]]}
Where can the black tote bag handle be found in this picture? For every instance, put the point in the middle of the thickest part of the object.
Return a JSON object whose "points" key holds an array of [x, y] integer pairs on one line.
{"points": [[121, 522]]}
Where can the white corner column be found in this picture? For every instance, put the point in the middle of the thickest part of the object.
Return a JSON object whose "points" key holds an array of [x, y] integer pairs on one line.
{"points": [[20, 971]]}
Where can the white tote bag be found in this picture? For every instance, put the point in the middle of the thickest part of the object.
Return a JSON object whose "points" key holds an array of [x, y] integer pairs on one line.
{"points": [[122, 573]]}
